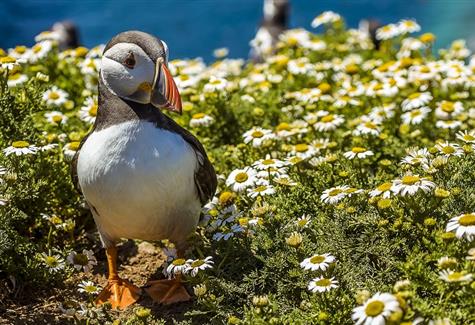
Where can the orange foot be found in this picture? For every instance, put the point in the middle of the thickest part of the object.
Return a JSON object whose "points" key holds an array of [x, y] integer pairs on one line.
{"points": [[167, 291], [120, 293]]}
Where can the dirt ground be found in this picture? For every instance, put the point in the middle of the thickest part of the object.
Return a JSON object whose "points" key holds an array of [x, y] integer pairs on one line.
{"points": [[139, 262]]}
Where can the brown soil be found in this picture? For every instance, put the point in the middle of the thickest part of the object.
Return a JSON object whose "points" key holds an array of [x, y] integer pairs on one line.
{"points": [[139, 262]]}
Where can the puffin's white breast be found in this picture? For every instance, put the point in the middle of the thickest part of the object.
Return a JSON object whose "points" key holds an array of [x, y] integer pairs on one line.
{"points": [[140, 181]]}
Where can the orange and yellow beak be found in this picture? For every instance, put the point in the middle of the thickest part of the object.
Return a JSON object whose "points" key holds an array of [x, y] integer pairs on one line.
{"points": [[164, 90]]}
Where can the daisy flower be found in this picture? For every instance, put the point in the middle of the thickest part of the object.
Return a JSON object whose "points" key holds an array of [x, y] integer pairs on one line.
{"points": [[201, 119], [334, 195], [268, 163], [408, 26], [88, 287], [411, 184], [177, 266], [221, 52], [416, 100], [48, 147], [322, 284], [215, 84], [463, 226], [388, 32], [466, 136], [88, 111], [240, 179], [471, 254], [56, 117], [453, 276], [358, 152], [53, 262], [70, 149], [39, 51], [416, 157], [194, 266], [20, 148], [8, 62], [384, 190], [448, 149], [329, 122], [16, 79], [303, 221], [367, 126], [447, 109], [416, 116], [326, 17], [55, 96], [85, 260], [376, 309], [303, 151], [448, 124], [317, 262], [228, 233], [257, 136], [261, 190]]}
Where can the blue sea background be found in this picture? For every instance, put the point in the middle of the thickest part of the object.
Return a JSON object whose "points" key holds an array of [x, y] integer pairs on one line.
{"points": [[193, 28]]}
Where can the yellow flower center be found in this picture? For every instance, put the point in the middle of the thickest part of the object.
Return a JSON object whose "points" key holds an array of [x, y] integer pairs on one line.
{"points": [[15, 76], [415, 113], [328, 118], [93, 110], [467, 220], [198, 116], [374, 308], [268, 161], [424, 69], [410, 179], [283, 126], [81, 51], [447, 107], [179, 261], [448, 150], [468, 137], [384, 187], [358, 149], [57, 118], [197, 263], [74, 145], [37, 48], [20, 49], [7, 59], [414, 96], [257, 134], [20, 144], [370, 125], [324, 87], [184, 77], [80, 259], [455, 276], [241, 177], [335, 192], [261, 188], [215, 82], [51, 261], [323, 282], [317, 259], [302, 147], [53, 95]]}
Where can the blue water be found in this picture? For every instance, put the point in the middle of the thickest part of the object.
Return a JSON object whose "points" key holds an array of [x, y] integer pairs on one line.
{"points": [[196, 27]]}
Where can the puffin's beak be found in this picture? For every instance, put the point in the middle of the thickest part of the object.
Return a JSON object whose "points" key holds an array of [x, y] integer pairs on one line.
{"points": [[164, 90]]}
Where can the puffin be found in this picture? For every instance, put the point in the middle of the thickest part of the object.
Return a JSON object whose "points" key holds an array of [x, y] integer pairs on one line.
{"points": [[274, 23], [142, 175]]}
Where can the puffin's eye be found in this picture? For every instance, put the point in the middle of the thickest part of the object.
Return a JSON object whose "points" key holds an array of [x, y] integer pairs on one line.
{"points": [[129, 61]]}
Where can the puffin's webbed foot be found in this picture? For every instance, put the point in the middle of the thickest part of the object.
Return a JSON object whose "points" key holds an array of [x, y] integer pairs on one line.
{"points": [[167, 291], [120, 293]]}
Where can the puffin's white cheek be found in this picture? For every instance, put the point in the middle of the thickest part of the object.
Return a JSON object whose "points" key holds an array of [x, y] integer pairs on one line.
{"points": [[122, 81]]}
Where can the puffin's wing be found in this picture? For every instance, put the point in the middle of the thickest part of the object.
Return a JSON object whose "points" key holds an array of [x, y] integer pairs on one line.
{"points": [[205, 176]]}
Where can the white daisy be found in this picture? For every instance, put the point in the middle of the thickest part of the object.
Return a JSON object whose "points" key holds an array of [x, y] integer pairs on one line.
{"points": [[448, 149], [88, 287], [20, 148], [454, 276], [466, 136], [303, 151], [317, 262], [56, 117], [82, 261], [448, 124], [257, 136], [55, 96], [177, 266], [358, 152], [88, 111], [221, 52], [322, 284], [268, 162], [447, 109], [463, 226], [326, 17], [16, 79], [388, 32], [303, 221], [415, 116], [194, 266], [241, 179], [215, 84], [384, 190], [334, 195], [261, 190], [411, 184], [69, 150], [201, 119], [376, 309], [329, 122], [53, 262], [408, 26], [416, 100]]}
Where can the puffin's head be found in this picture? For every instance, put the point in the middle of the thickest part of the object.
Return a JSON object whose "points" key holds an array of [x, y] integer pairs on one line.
{"points": [[134, 67]]}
